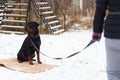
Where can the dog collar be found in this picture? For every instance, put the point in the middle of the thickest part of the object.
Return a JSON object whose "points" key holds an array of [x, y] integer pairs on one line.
{"points": [[34, 36]]}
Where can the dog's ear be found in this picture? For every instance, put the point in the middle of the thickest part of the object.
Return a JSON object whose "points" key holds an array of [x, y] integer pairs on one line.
{"points": [[36, 24], [32, 24]]}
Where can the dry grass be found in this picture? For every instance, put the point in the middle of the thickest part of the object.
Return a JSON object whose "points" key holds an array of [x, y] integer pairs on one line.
{"points": [[76, 22]]}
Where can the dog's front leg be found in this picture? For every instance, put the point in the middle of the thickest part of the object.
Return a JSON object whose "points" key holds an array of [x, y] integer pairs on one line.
{"points": [[30, 60], [38, 59]]}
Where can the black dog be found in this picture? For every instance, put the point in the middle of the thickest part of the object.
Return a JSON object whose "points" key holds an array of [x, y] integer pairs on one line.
{"points": [[31, 44]]}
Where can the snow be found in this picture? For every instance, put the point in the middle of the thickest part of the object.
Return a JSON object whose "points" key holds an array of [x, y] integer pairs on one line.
{"points": [[88, 65]]}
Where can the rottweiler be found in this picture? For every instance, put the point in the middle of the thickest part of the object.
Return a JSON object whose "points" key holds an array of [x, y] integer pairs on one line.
{"points": [[30, 45]]}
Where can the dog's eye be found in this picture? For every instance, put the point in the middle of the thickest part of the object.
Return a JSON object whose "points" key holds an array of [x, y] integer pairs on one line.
{"points": [[31, 32]]}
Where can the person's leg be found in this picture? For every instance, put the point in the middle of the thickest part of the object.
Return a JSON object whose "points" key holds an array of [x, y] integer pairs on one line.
{"points": [[113, 58]]}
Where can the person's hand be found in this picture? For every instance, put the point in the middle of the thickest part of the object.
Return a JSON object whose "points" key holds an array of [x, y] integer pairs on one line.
{"points": [[96, 36]]}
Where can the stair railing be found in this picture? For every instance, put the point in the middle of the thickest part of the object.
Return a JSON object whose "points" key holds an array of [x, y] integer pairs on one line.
{"points": [[40, 15], [58, 7], [2, 3]]}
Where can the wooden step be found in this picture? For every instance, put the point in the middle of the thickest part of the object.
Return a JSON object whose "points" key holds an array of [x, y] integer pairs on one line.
{"points": [[12, 15], [1, 11], [18, 4], [10, 32], [57, 26], [41, 8], [50, 17], [17, 21], [48, 12], [11, 26], [11, 1], [53, 22], [41, 3], [1, 19], [10, 9], [2, 7], [59, 31], [10, 6]]}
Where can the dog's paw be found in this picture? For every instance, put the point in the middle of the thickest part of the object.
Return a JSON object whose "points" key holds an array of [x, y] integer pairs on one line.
{"points": [[30, 63], [39, 62], [20, 61]]}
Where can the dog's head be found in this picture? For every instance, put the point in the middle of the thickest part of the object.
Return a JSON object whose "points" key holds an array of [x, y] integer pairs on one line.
{"points": [[32, 28]]}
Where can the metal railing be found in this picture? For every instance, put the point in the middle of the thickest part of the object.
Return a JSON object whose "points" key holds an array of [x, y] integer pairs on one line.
{"points": [[39, 13], [2, 3], [58, 7]]}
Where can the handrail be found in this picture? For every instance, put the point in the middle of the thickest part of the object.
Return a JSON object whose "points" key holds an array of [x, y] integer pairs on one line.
{"points": [[60, 11], [2, 3], [40, 15]]}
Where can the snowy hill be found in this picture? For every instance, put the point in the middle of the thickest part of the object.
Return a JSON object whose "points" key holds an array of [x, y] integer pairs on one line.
{"points": [[87, 65]]}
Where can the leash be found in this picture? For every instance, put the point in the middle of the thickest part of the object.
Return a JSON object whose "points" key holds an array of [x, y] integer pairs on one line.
{"points": [[58, 58]]}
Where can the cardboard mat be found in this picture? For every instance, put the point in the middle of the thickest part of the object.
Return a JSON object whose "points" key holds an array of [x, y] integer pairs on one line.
{"points": [[13, 64]]}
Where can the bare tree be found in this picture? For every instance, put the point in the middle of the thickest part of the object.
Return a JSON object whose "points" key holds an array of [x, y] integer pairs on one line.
{"points": [[88, 7], [65, 5]]}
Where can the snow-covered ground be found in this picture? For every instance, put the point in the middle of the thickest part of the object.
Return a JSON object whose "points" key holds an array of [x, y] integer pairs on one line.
{"points": [[87, 65]]}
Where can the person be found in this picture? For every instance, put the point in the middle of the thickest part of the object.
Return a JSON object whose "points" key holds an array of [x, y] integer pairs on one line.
{"points": [[107, 20]]}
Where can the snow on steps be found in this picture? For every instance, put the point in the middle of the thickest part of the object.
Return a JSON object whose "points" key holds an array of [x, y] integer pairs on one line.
{"points": [[12, 15], [11, 32], [59, 31], [11, 26], [42, 3], [20, 21], [50, 17]]}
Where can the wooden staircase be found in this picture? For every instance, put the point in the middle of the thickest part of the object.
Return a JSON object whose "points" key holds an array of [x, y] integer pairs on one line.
{"points": [[2, 6], [45, 13], [14, 17], [16, 14]]}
